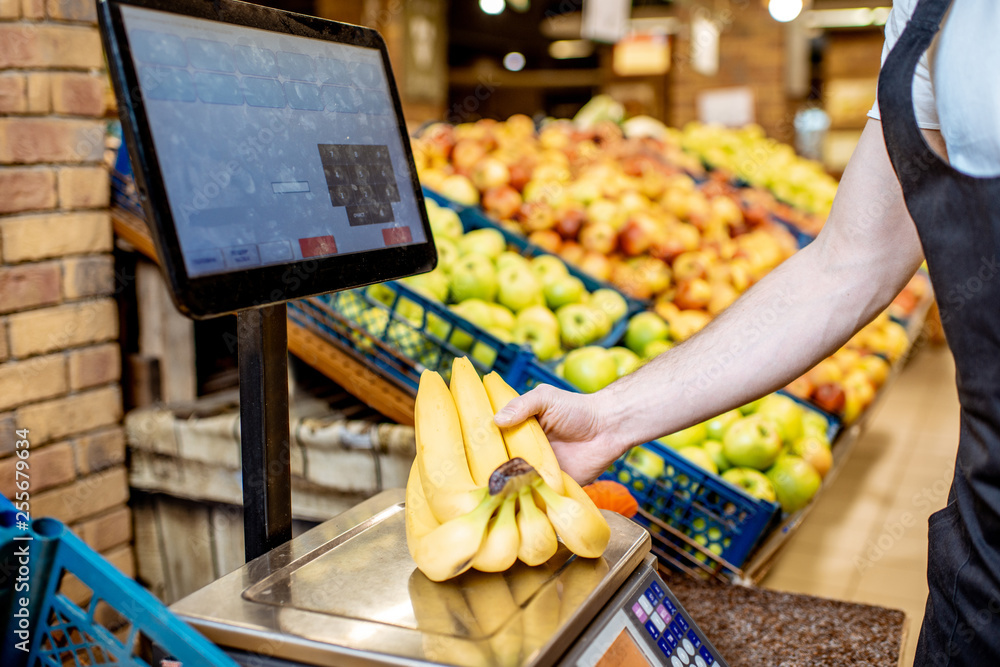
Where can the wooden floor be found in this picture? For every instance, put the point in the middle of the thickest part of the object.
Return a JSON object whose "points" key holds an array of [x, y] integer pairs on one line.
{"points": [[866, 540]]}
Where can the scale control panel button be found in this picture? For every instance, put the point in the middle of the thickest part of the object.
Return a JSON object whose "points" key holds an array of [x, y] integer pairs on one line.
{"points": [[705, 653], [683, 657], [671, 641], [646, 605], [639, 613], [688, 646], [695, 639], [669, 605], [663, 613], [656, 589], [699, 661], [658, 622], [676, 629], [664, 646], [651, 629], [651, 596], [675, 662], [681, 622]]}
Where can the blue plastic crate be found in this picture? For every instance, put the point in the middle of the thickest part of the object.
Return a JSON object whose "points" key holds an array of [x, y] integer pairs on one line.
{"points": [[62, 633], [403, 336]]}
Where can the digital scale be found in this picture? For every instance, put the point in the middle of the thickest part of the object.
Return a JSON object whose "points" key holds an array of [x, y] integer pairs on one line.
{"points": [[272, 162], [348, 593]]}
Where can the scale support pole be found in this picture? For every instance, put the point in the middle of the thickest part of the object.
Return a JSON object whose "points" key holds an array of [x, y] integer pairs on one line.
{"points": [[267, 478]]}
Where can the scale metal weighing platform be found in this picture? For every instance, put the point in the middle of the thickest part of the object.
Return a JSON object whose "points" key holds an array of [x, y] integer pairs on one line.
{"points": [[348, 593], [272, 162]]}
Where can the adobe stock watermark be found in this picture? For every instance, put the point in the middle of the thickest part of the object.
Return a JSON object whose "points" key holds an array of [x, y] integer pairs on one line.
{"points": [[893, 531]]}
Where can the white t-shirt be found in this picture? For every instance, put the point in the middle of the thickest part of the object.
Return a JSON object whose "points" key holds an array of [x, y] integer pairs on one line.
{"points": [[956, 87]]}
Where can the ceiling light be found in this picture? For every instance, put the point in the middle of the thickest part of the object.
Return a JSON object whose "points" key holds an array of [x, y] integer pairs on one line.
{"points": [[493, 7], [571, 48], [784, 10], [514, 61]]}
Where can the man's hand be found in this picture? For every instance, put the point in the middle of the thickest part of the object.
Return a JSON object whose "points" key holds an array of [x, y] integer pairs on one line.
{"points": [[577, 428]]}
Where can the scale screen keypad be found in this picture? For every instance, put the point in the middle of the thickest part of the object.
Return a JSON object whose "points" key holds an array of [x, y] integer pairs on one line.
{"points": [[665, 622], [361, 179]]}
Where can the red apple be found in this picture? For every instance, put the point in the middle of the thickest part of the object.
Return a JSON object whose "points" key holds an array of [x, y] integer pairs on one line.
{"points": [[829, 397], [466, 155], [520, 174], [572, 252], [693, 294], [690, 265], [502, 202], [569, 221], [536, 215], [598, 237], [547, 239], [636, 237], [596, 265]]}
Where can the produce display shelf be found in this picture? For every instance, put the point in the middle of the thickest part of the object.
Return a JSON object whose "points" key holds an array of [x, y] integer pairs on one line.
{"points": [[62, 633]]}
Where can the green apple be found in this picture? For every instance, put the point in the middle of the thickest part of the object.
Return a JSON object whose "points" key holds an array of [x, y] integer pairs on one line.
{"points": [[433, 284], [714, 449], [488, 242], [692, 436], [590, 369], [511, 258], [795, 482], [814, 450], [562, 291], [815, 424], [518, 288], [476, 311], [611, 302], [445, 223], [717, 426], [786, 413], [643, 329], [473, 277], [626, 360], [700, 458], [753, 482], [648, 463], [447, 254], [540, 315], [543, 340], [601, 321], [502, 317], [375, 321], [752, 406], [580, 325], [485, 353], [548, 267], [382, 293], [752, 442], [656, 348]]}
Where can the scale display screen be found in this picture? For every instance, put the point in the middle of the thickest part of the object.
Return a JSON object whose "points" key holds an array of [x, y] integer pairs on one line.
{"points": [[265, 140]]}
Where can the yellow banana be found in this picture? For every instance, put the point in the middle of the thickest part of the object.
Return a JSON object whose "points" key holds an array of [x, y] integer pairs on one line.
{"points": [[484, 446], [577, 521], [448, 550], [538, 539], [493, 605], [499, 550], [420, 520], [444, 472], [527, 439]]}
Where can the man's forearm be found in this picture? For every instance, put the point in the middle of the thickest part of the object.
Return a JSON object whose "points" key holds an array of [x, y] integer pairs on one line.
{"points": [[804, 310]]}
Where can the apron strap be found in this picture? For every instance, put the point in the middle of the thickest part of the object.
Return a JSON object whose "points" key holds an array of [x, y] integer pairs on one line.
{"points": [[911, 157]]}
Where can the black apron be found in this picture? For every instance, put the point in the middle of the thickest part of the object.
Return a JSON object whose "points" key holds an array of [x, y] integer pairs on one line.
{"points": [[958, 220]]}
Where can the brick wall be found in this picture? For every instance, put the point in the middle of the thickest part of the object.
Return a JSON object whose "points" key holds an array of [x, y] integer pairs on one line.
{"points": [[59, 358], [751, 53]]}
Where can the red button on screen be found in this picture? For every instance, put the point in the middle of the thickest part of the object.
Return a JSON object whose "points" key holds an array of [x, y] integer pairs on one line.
{"points": [[397, 235], [317, 246]]}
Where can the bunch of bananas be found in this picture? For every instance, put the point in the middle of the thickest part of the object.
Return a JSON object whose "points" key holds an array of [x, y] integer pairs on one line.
{"points": [[483, 497]]}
